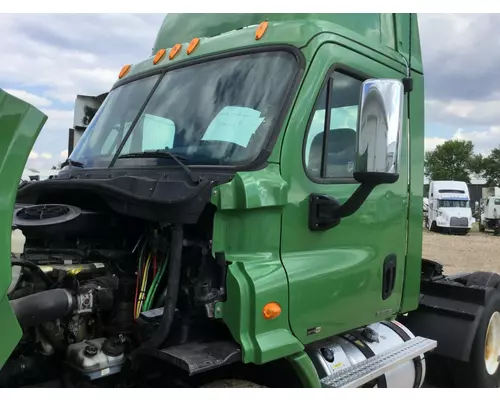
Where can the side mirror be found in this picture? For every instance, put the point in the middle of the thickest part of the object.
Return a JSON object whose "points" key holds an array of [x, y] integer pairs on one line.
{"points": [[380, 126]]}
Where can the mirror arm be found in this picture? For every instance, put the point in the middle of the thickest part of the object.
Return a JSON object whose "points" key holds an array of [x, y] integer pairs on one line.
{"points": [[354, 202]]}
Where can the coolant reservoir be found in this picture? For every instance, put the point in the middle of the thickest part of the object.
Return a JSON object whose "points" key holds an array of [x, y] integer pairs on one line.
{"points": [[17, 243]]}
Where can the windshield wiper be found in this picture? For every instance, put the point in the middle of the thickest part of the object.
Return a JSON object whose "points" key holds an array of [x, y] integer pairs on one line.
{"points": [[165, 154], [72, 163]]}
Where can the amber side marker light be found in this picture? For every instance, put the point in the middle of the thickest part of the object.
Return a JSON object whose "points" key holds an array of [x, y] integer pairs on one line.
{"points": [[192, 45], [261, 29], [271, 310], [159, 55], [174, 51], [124, 71]]}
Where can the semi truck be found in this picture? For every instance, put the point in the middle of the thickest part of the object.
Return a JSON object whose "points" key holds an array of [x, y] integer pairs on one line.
{"points": [[490, 210], [243, 210], [449, 207]]}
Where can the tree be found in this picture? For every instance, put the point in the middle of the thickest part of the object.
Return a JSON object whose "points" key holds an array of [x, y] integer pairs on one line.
{"points": [[453, 160], [491, 167]]}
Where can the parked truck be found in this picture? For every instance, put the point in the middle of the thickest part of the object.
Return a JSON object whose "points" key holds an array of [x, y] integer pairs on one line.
{"points": [[490, 210], [244, 210], [449, 207]]}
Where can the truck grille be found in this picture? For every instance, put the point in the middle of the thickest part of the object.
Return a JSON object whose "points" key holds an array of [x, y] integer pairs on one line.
{"points": [[455, 221]]}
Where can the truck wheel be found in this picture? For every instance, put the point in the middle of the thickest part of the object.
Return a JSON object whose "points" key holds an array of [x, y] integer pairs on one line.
{"points": [[483, 368], [488, 279], [232, 383], [433, 227]]}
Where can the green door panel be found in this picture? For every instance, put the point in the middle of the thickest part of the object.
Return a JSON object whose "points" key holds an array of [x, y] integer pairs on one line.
{"points": [[335, 276], [20, 124]]}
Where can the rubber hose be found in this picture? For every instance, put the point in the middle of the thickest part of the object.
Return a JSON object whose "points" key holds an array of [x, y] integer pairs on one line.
{"points": [[172, 291], [42, 307], [33, 267]]}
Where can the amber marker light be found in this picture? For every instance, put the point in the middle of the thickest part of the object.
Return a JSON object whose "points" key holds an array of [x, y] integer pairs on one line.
{"points": [[159, 55], [124, 71], [271, 310], [174, 51], [261, 29], [192, 45]]}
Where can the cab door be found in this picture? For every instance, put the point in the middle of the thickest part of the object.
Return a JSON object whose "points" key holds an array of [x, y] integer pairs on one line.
{"points": [[348, 273]]}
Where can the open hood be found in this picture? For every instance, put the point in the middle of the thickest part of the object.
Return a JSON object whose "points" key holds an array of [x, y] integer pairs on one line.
{"points": [[20, 125]]}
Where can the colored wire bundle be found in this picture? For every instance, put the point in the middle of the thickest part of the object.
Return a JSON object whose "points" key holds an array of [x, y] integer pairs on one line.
{"points": [[148, 279]]}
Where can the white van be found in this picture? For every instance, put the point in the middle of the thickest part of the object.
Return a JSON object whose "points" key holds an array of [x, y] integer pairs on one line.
{"points": [[449, 207]]}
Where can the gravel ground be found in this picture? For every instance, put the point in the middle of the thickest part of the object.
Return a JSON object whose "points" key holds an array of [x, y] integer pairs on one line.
{"points": [[475, 252]]}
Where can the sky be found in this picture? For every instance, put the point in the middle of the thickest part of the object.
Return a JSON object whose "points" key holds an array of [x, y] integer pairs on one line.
{"points": [[54, 57]]}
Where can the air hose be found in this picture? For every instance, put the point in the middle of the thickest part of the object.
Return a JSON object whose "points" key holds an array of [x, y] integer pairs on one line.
{"points": [[42, 307], [33, 268]]}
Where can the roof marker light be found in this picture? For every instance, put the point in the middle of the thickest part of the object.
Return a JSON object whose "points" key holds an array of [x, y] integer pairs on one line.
{"points": [[261, 29], [124, 71], [174, 51], [192, 45], [159, 55]]}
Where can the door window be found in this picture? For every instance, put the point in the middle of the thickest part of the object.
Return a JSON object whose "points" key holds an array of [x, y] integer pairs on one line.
{"points": [[333, 128]]}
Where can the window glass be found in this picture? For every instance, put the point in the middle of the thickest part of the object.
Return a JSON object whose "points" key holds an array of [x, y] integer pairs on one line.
{"points": [[341, 108]]}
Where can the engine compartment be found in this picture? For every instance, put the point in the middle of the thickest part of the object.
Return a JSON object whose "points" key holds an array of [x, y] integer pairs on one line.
{"points": [[91, 287]]}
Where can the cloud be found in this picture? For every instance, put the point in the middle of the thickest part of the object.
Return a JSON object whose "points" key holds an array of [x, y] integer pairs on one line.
{"points": [[458, 59], [462, 78], [432, 142], [484, 140], [54, 57], [464, 112], [73, 53], [37, 101]]}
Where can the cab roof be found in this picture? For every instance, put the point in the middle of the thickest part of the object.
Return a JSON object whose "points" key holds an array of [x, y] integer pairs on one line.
{"points": [[376, 29]]}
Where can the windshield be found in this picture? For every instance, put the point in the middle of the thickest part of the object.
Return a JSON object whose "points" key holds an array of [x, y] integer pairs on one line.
{"points": [[219, 112], [454, 203]]}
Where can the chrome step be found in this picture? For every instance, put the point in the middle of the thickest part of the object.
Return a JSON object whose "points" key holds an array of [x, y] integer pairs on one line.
{"points": [[358, 374]]}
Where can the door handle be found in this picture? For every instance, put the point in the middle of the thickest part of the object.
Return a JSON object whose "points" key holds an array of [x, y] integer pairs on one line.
{"points": [[389, 275]]}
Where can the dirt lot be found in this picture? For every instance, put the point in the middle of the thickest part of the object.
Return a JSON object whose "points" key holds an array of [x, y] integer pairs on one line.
{"points": [[474, 252]]}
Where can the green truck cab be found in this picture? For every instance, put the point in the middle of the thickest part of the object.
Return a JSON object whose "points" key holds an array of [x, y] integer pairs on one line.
{"points": [[244, 209]]}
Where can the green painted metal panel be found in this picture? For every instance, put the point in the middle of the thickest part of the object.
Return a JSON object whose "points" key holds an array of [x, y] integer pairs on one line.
{"points": [[335, 276], [20, 124], [247, 227], [181, 28]]}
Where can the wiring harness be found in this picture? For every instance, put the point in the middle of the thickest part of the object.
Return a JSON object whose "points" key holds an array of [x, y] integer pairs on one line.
{"points": [[149, 275]]}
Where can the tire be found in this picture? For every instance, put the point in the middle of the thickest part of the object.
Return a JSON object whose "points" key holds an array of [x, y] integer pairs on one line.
{"points": [[488, 279], [474, 374], [433, 227], [232, 383]]}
